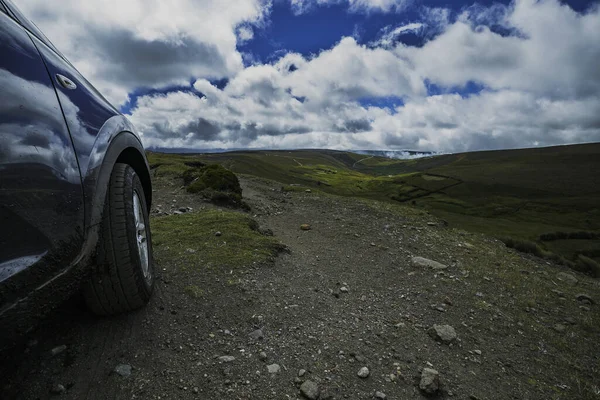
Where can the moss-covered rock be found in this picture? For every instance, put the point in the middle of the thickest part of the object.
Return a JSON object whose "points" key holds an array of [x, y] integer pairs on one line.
{"points": [[216, 184], [214, 177], [226, 199]]}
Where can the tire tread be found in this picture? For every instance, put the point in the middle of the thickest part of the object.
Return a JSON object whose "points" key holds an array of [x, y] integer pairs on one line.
{"points": [[116, 289]]}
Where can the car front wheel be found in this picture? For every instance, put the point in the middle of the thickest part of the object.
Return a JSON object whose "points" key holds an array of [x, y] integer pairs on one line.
{"points": [[125, 276]]}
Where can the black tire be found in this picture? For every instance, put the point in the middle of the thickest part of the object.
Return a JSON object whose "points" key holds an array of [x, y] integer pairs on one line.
{"points": [[121, 282]]}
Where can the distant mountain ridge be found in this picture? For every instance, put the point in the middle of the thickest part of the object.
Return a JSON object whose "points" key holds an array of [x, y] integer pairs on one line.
{"points": [[394, 154]]}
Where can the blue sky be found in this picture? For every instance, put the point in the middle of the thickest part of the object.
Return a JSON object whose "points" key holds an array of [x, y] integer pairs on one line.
{"points": [[322, 27], [426, 75]]}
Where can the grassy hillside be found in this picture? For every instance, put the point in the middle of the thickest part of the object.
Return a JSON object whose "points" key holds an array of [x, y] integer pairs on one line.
{"points": [[520, 194]]}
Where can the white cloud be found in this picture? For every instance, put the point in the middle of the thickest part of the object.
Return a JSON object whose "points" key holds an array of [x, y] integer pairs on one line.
{"points": [[244, 34], [378, 5], [123, 45], [556, 54], [389, 35], [490, 120], [350, 71], [356, 6]]}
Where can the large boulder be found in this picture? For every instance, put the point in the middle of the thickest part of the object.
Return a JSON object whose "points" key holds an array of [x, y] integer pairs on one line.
{"points": [[443, 333], [216, 184], [310, 390], [214, 176], [430, 381]]}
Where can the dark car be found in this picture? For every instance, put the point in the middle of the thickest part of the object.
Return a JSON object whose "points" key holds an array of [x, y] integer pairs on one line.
{"points": [[75, 188]]}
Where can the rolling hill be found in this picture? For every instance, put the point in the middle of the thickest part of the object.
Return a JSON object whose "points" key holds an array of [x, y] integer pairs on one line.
{"points": [[546, 200]]}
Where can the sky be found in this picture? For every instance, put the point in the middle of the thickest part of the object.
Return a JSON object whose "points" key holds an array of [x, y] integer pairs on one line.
{"points": [[431, 75]]}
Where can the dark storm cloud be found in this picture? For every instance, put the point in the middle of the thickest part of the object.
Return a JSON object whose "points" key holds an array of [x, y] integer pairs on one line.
{"points": [[444, 125], [203, 130], [199, 129], [592, 123], [133, 61], [253, 130], [400, 141], [354, 126]]}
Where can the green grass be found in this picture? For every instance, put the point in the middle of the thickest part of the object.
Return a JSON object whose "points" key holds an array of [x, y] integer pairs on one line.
{"points": [[168, 165], [519, 194], [189, 240]]}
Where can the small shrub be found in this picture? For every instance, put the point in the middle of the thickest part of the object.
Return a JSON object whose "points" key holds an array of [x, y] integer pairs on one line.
{"points": [[190, 175], [525, 246], [581, 235], [582, 263], [195, 164], [547, 237], [586, 264]]}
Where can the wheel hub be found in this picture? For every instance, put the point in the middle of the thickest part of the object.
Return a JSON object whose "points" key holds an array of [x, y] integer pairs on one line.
{"points": [[141, 236]]}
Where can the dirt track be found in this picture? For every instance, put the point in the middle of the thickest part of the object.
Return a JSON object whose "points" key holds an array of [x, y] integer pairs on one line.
{"points": [[347, 296]]}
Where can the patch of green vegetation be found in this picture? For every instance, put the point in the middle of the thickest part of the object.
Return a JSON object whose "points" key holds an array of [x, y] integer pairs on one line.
{"points": [[194, 291], [189, 240], [169, 165]]}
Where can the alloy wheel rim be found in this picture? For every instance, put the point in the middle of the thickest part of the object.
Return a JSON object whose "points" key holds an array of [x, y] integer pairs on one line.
{"points": [[141, 236]]}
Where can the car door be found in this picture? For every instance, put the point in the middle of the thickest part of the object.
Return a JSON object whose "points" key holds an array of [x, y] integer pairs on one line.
{"points": [[41, 196], [85, 110]]}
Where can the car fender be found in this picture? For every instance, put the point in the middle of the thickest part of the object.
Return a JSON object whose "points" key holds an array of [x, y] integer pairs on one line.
{"points": [[117, 141]]}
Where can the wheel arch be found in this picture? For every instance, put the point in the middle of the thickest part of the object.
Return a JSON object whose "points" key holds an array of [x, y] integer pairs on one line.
{"points": [[122, 147], [132, 157]]}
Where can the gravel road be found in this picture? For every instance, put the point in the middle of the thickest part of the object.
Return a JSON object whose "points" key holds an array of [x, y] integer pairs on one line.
{"points": [[351, 312]]}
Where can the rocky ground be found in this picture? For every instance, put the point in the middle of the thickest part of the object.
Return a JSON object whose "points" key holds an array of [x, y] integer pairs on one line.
{"points": [[372, 301]]}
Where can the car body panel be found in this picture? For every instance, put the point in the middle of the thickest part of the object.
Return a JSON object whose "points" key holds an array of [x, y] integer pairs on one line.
{"points": [[93, 123], [41, 194]]}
